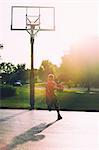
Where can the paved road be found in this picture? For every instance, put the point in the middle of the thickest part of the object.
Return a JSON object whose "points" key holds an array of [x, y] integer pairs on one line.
{"points": [[39, 130]]}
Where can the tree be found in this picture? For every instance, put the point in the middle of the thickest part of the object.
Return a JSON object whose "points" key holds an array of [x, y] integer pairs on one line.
{"points": [[6, 70], [10, 73], [81, 65], [65, 69], [85, 56], [20, 74], [46, 68]]}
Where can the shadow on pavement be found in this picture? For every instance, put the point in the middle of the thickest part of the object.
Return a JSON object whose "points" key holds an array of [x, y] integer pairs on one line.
{"points": [[10, 117], [30, 135]]}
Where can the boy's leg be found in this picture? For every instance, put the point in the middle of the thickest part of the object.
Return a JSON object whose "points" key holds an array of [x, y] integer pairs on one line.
{"points": [[57, 109], [48, 102]]}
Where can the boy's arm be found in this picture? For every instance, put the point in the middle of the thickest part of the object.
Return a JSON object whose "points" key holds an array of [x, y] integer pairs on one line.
{"points": [[55, 85]]}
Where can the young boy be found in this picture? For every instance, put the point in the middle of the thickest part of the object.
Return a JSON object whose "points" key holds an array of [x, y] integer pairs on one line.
{"points": [[51, 98]]}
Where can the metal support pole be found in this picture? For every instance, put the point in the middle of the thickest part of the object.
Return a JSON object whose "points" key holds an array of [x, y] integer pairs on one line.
{"points": [[32, 97]]}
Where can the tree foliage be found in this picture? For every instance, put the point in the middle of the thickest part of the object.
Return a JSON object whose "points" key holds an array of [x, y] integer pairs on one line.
{"points": [[46, 68], [11, 73], [82, 64]]}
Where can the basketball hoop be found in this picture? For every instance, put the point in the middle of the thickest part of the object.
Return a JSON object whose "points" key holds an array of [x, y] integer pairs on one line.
{"points": [[32, 25], [32, 28], [32, 19], [43, 16]]}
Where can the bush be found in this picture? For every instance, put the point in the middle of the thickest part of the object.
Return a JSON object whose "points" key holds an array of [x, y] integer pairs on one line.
{"points": [[7, 91], [42, 84]]}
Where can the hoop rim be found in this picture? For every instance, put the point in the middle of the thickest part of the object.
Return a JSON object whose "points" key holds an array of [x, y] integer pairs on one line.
{"points": [[32, 24]]}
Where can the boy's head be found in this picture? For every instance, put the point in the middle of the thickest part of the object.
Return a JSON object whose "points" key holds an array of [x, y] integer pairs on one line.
{"points": [[50, 77]]}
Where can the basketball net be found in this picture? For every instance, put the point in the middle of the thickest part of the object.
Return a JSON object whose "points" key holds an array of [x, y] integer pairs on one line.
{"points": [[32, 26]]}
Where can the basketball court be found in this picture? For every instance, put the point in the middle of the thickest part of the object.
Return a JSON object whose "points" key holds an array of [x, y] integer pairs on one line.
{"points": [[37, 130]]}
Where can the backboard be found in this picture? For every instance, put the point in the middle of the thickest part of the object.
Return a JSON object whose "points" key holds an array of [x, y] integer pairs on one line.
{"points": [[24, 17]]}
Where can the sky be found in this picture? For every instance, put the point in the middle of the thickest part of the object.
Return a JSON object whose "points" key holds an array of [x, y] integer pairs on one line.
{"points": [[74, 20]]}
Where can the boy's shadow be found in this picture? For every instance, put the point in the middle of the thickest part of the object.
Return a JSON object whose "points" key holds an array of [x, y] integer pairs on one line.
{"points": [[30, 135]]}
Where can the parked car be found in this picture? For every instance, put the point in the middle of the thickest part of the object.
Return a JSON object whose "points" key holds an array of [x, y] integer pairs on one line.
{"points": [[17, 83]]}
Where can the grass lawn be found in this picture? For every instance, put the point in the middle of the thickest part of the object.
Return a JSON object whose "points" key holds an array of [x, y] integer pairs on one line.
{"points": [[68, 99]]}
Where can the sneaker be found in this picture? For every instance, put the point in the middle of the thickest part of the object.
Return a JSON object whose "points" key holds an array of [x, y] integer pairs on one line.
{"points": [[49, 108], [59, 117]]}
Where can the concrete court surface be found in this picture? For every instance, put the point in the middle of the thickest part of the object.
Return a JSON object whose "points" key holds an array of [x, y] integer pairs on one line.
{"points": [[39, 130]]}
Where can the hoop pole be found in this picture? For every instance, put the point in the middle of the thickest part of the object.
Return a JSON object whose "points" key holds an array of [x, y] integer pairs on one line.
{"points": [[32, 84]]}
